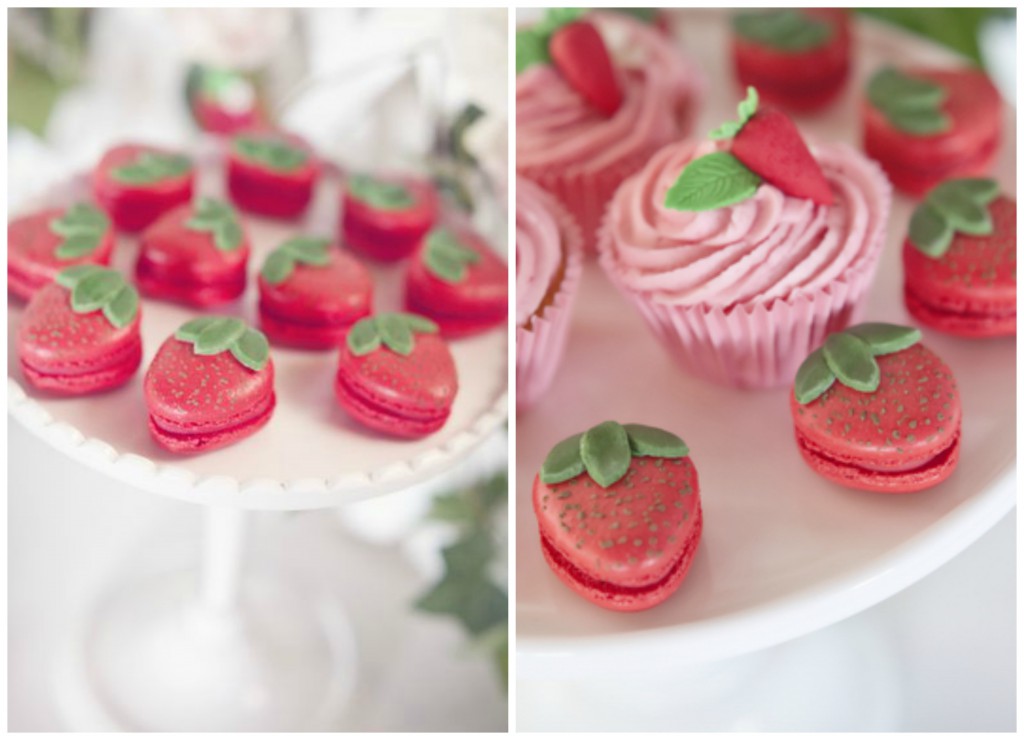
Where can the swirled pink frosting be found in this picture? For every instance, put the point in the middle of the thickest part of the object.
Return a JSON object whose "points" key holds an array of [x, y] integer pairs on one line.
{"points": [[770, 246], [557, 127], [538, 248]]}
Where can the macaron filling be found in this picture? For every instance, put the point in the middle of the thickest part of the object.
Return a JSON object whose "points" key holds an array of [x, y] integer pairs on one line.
{"points": [[904, 467]]}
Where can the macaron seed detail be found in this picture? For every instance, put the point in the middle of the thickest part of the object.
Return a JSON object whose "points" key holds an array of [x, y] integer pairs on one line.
{"points": [[618, 508]]}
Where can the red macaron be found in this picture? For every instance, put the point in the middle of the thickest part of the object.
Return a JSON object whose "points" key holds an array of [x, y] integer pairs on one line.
{"points": [[80, 334], [797, 58], [194, 255], [385, 218], [311, 292], [456, 279], [136, 184], [875, 409], [619, 512], [929, 125], [271, 173], [960, 260], [396, 375], [211, 384], [42, 244]]}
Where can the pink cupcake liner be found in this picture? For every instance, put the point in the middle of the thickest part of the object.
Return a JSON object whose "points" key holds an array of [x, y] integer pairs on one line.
{"points": [[756, 344], [539, 349]]}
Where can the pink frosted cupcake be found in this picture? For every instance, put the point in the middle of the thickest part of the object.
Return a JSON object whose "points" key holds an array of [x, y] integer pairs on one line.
{"points": [[743, 253], [549, 259], [595, 98]]}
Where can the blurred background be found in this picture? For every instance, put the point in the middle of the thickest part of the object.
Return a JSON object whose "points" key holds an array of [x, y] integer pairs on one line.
{"points": [[424, 90]]}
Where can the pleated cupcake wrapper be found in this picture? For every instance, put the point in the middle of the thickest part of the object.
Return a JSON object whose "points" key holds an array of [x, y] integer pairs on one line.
{"points": [[586, 193], [754, 345], [539, 349]]}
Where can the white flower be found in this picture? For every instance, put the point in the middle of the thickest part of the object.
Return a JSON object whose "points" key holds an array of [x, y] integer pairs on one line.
{"points": [[236, 38]]}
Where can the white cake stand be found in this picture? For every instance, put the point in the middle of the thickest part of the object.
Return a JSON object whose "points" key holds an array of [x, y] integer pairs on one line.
{"points": [[173, 646], [784, 553]]}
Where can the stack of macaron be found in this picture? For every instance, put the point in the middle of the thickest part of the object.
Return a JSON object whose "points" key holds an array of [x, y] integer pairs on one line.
{"points": [[750, 254], [211, 382]]}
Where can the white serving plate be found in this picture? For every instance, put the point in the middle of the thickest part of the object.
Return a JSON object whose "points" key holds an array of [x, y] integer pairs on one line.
{"points": [[311, 454], [784, 552]]}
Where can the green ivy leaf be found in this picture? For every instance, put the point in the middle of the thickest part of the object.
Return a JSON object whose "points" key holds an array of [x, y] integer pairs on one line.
{"points": [[606, 452], [813, 378], [712, 181], [852, 361], [563, 462]]}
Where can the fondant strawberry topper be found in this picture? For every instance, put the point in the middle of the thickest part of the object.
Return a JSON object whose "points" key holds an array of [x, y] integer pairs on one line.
{"points": [[447, 257], [313, 251], [954, 206], [381, 194], [909, 104], [211, 335], [82, 227], [150, 167], [788, 30], [575, 48], [220, 220], [848, 357], [270, 151], [604, 452], [95, 288], [766, 147], [394, 331]]}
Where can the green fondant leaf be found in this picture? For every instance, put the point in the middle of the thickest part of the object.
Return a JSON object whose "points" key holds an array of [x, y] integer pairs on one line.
{"points": [[851, 360], [70, 276], [960, 210], [214, 209], [363, 338], [190, 330], [275, 154], [251, 349], [218, 335], [786, 30], [531, 49], [94, 291], [420, 324], [151, 167], [123, 307], [929, 231], [813, 378], [712, 181], [386, 196], [309, 250], [605, 452], [447, 257], [726, 131], [981, 190], [884, 339], [77, 245], [277, 267], [909, 104], [744, 111], [227, 235], [563, 462], [395, 334], [645, 441], [445, 266]]}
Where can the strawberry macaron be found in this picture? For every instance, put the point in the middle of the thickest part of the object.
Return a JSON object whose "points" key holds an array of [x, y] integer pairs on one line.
{"points": [[960, 260], [875, 409], [271, 173], [928, 125], [42, 244], [619, 513], [311, 292], [80, 333], [211, 384], [385, 218], [396, 375], [137, 184], [456, 279], [798, 58], [196, 254]]}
